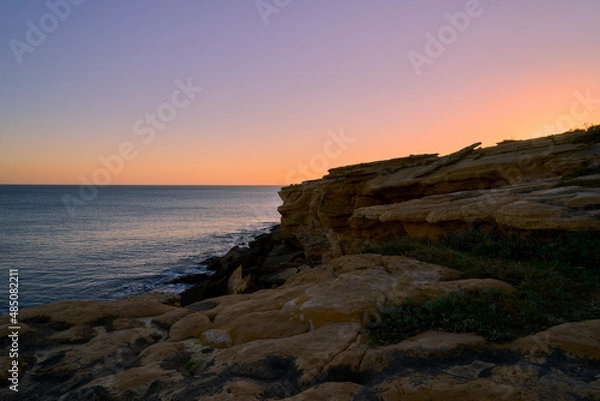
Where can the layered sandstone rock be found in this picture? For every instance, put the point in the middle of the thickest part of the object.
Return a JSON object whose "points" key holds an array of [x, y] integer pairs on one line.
{"points": [[305, 340], [540, 185]]}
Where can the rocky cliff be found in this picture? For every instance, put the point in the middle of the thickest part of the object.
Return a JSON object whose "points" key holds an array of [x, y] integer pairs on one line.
{"points": [[306, 340], [539, 186], [291, 316]]}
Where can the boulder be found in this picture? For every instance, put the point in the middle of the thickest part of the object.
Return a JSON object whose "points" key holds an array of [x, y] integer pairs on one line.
{"points": [[310, 353], [579, 339], [92, 312], [155, 356], [238, 284], [190, 326], [264, 325], [166, 320], [282, 256], [216, 338]]}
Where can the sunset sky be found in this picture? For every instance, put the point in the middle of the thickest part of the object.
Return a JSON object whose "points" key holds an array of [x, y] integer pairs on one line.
{"points": [[277, 91]]}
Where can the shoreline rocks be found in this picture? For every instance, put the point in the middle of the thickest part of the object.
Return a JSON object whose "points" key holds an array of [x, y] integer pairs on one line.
{"points": [[266, 262], [301, 341], [287, 317]]}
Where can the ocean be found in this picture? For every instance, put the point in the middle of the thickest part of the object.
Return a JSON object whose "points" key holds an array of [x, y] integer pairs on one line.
{"points": [[124, 240]]}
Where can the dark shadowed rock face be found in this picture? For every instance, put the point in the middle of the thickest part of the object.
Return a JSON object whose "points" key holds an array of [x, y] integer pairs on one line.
{"points": [[262, 263], [536, 186]]}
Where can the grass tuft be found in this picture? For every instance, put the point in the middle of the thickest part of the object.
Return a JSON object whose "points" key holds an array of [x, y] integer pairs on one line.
{"points": [[193, 366]]}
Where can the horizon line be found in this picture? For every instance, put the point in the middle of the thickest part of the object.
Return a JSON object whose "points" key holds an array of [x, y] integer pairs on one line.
{"points": [[148, 185]]}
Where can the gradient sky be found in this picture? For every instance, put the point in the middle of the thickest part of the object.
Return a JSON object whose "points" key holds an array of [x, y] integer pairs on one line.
{"points": [[274, 94]]}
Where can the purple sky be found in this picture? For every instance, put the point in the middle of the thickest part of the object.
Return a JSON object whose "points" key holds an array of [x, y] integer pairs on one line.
{"points": [[275, 95]]}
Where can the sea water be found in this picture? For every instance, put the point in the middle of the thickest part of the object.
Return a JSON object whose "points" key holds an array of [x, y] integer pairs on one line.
{"points": [[124, 240]]}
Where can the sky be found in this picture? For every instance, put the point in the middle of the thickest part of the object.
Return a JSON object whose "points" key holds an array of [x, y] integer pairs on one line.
{"points": [[204, 92]]}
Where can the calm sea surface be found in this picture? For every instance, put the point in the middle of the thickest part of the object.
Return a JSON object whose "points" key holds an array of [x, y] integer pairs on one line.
{"points": [[128, 240]]}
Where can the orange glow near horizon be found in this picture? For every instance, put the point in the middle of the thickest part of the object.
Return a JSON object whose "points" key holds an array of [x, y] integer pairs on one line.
{"points": [[247, 166]]}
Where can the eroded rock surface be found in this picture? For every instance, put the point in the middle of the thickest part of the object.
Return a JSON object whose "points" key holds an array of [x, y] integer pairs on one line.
{"points": [[538, 186], [302, 341]]}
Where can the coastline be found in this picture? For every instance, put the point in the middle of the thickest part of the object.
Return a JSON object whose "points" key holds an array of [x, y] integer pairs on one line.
{"points": [[266, 262], [293, 315]]}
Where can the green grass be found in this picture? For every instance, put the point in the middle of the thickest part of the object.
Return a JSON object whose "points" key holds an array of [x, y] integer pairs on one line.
{"points": [[556, 280], [193, 366]]}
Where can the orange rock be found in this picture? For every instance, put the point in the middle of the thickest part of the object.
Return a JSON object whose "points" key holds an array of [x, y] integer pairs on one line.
{"points": [[190, 326], [264, 325], [581, 339], [166, 320]]}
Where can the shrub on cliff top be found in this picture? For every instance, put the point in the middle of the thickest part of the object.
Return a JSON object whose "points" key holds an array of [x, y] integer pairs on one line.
{"points": [[591, 135]]}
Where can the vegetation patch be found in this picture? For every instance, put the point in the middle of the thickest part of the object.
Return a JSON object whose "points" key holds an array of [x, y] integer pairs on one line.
{"points": [[556, 280], [591, 135], [193, 366]]}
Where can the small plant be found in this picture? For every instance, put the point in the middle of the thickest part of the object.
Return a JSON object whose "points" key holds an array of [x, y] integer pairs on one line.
{"points": [[193, 366]]}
